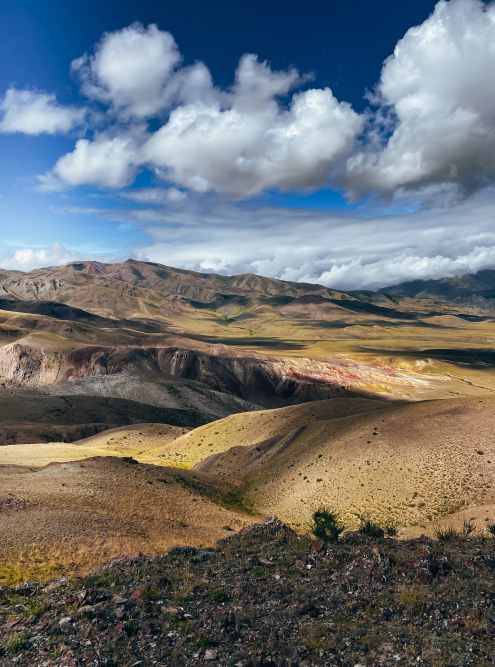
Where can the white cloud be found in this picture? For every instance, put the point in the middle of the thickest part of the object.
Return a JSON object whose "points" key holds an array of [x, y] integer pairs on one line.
{"points": [[435, 124], [155, 195], [107, 162], [238, 142], [33, 112], [56, 254], [27, 258], [130, 70], [254, 145], [439, 84]]}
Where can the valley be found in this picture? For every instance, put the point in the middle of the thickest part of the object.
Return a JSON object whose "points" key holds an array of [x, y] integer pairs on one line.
{"points": [[137, 391]]}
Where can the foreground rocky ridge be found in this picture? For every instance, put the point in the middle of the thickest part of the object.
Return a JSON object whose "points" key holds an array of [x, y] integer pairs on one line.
{"points": [[264, 597]]}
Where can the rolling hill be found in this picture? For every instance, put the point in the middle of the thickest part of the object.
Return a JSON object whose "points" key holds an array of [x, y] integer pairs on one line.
{"points": [[406, 463]]}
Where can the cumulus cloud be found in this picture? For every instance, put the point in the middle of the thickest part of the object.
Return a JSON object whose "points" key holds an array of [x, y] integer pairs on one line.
{"points": [[437, 89], [130, 69], [29, 258], [237, 142], [56, 254], [108, 162], [254, 145], [33, 112], [434, 125]]}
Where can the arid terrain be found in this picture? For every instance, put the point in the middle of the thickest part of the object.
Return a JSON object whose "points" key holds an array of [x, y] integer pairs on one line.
{"points": [[143, 406]]}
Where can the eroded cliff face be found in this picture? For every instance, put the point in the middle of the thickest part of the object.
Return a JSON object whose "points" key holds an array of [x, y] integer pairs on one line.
{"points": [[42, 359], [23, 364], [266, 382], [261, 381], [33, 361]]}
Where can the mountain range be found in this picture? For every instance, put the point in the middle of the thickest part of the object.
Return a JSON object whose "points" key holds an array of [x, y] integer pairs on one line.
{"points": [[476, 290]]}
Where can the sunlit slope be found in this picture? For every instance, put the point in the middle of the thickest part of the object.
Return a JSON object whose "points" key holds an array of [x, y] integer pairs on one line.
{"points": [[244, 430], [407, 463], [134, 439], [124, 441]]}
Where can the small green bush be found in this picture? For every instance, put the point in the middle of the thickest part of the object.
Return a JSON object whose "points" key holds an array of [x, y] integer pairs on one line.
{"points": [[204, 642], [467, 526], [131, 627], [150, 594], [326, 524], [390, 529], [446, 534], [108, 648], [15, 643], [370, 529], [218, 595]]}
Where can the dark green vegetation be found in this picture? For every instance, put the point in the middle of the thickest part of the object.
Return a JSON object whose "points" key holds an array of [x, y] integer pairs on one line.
{"points": [[267, 600], [326, 525]]}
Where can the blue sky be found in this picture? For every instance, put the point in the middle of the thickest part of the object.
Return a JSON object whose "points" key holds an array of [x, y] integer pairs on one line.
{"points": [[343, 143]]}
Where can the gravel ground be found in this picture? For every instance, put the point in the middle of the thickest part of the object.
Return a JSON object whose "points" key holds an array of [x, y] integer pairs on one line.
{"points": [[265, 597]]}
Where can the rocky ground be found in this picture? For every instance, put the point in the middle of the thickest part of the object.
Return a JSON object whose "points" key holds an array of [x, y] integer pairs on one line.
{"points": [[265, 597]]}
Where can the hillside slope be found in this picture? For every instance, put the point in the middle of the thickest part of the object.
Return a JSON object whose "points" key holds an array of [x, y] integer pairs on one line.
{"points": [[407, 463]]}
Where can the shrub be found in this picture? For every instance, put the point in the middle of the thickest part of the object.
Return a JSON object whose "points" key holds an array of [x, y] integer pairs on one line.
{"points": [[204, 642], [491, 528], [108, 648], [218, 595], [326, 525], [314, 636], [15, 643], [413, 600], [370, 529], [467, 526], [150, 594], [131, 627], [446, 534], [390, 529]]}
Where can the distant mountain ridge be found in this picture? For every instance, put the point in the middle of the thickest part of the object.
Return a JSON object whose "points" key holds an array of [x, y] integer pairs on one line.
{"points": [[195, 286], [476, 289]]}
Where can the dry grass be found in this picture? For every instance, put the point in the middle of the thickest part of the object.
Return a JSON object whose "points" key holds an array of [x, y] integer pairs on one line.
{"points": [[31, 563], [403, 465], [250, 428], [131, 441], [81, 514], [413, 599], [315, 636]]}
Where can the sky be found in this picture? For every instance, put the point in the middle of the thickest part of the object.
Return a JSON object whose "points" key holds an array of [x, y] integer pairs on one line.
{"points": [[347, 144]]}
